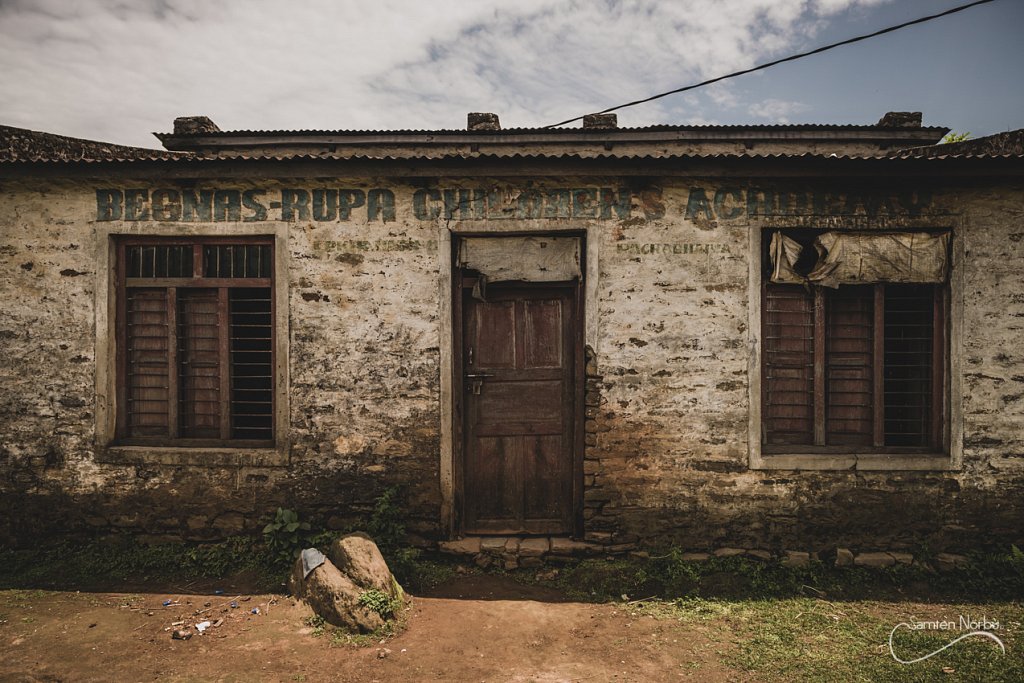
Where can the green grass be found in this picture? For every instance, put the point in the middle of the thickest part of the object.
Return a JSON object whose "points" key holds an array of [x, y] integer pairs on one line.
{"points": [[818, 640], [992, 576]]}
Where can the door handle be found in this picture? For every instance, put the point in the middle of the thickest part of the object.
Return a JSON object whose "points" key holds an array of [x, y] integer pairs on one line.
{"points": [[478, 375]]}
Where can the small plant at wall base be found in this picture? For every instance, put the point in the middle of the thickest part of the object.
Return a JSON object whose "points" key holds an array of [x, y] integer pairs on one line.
{"points": [[386, 525], [284, 535]]}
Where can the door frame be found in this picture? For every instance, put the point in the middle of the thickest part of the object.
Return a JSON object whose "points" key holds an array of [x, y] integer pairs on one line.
{"points": [[454, 297]]}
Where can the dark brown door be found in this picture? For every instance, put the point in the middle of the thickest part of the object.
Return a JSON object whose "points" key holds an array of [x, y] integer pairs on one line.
{"points": [[518, 357]]}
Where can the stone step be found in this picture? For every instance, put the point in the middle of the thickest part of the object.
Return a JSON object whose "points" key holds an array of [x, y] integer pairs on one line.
{"points": [[512, 552]]}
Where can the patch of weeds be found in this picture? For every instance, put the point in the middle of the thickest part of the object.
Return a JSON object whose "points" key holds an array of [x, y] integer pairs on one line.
{"points": [[387, 522], [380, 602], [322, 540], [122, 559], [343, 638], [285, 535], [602, 580], [317, 623], [991, 576]]}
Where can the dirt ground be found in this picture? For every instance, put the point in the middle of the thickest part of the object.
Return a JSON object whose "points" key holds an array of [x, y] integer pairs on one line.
{"points": [[474, 628]]}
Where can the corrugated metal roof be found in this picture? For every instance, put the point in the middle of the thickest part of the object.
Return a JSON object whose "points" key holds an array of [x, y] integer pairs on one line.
{"points": [[200, 159], [660, 128], [23, 145], [1007, 144]]}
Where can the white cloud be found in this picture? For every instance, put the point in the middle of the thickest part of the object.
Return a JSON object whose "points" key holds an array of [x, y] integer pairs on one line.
{"points": [[114, 70], [775, 111]]}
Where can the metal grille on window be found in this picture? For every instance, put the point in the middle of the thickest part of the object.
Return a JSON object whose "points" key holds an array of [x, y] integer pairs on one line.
{"points": [[158, 261], [237, 260], [908, 364], [251, 363]]}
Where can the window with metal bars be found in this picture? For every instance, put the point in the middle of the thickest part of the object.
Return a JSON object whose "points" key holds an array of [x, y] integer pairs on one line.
{"points": [[859, 368], [195, 341]]}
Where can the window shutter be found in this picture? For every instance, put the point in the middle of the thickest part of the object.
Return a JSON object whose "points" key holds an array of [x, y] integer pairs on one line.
{"points": [[199, 361], [147, 362], [849, 368], [788, 363]]}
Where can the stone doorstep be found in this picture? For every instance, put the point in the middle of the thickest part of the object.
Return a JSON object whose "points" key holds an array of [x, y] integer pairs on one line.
{"points": [[527, 551]]}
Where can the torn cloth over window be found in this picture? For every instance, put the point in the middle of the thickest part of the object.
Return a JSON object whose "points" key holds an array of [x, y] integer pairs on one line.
{"points": [[520, 259], [866, 258], [785, 251]]}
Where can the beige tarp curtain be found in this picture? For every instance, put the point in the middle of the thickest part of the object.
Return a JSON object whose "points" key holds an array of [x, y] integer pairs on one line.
{"points": [[784, 252], [524, 259], [865, 258]]}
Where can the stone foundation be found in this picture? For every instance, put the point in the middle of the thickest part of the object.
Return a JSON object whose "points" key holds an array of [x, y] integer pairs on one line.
{"points": [[528, 552]]}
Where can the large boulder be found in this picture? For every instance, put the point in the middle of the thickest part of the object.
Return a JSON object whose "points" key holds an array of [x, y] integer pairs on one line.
{"points": [[358, 557], [334, 584], [333, 596]]}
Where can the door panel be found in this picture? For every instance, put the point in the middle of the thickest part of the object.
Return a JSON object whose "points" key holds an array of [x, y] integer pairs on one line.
{"points": [[518, 398]]}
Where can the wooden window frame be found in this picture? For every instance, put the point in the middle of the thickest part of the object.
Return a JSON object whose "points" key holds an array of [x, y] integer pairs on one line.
{"points": [[949, 458], [122, 284]]}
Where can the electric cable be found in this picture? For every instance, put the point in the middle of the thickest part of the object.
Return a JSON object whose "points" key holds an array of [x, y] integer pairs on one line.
{"points": [[791, 58]]}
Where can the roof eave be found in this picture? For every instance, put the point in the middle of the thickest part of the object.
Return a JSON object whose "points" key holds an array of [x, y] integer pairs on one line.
{"points": [[890, 137]]}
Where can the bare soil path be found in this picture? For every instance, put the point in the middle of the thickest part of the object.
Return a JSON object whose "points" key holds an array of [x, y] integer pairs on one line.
{"points": [[474, 628]]}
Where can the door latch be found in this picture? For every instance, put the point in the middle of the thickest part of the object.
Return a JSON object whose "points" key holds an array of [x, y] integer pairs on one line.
{"points": [[476, 380]]}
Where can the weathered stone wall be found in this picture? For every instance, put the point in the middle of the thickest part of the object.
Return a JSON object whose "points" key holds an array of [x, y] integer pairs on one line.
{"points": [[667, 387]]}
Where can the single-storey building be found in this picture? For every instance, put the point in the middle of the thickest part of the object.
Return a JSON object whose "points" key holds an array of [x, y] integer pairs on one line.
{"points": [[782, 337]]}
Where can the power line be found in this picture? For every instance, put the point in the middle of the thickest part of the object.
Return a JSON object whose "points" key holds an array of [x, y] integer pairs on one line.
{"points": [[780, 61]]}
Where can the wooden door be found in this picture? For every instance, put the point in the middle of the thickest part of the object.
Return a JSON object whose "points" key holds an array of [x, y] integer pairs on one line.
{"points": [[518, 365]]}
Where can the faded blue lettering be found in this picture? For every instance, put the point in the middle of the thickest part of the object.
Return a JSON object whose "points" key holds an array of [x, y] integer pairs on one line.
{"points": [[380, 204], [166, 205], [227, 205], [108, 205]]}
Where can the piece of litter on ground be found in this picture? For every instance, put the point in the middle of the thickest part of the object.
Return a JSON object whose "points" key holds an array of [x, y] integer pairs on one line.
{"points": [[177, 623], [181, 634], [203, 625], [218, 623], [234, 605], [168, 603], [255, 610]]}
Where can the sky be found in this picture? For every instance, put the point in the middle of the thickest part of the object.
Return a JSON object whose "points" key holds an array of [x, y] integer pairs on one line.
{"points": [[117, 70]]}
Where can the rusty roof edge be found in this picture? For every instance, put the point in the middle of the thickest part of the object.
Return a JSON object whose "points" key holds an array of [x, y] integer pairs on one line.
{"points": [[895, 136], [556, 131], [957, 170], [998, 144]]}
